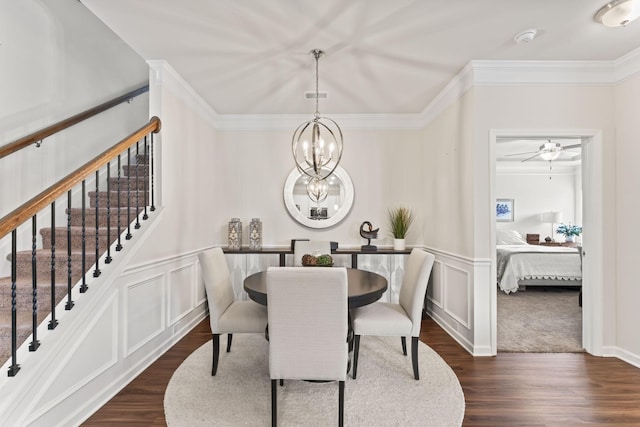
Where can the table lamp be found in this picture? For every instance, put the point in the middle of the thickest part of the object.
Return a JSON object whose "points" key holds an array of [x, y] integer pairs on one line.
{"points": [[552, 217]]}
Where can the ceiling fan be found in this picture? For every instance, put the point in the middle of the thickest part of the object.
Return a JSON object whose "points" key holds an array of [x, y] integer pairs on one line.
{"points": [[548, 151]]}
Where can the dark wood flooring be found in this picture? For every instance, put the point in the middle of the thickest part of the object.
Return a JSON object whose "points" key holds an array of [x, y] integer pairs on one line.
{"points": [[512, 389]]}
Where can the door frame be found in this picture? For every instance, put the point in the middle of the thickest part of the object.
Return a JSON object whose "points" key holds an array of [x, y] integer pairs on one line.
{"points": [[592, 220]]}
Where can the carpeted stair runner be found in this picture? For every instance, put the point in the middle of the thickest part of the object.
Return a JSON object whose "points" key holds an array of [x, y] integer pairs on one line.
{"points": [[24, 292]]}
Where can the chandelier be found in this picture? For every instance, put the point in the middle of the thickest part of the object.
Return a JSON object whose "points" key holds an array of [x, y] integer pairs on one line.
{"points": [[317, 190], [317, 146]]}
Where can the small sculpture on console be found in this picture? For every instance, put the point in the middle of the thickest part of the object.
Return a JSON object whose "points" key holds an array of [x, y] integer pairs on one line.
{"points": [[367, 231]]}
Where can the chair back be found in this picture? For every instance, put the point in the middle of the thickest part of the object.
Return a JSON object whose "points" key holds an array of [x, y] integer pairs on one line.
{"points": [[307, 309], [414, 286], [217, 283], [312, 247]]}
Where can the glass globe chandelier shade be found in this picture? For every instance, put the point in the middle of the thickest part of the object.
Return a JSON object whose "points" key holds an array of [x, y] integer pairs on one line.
{"points": [[317, 144]]}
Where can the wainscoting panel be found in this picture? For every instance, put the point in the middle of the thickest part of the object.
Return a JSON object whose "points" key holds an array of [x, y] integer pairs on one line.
{"points": [[94, 353], [435, 293], [182, 291], [145, 312], [456, 295], [449, 300]]}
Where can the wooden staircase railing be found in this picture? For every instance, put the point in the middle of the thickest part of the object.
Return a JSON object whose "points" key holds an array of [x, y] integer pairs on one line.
{"points": [[129, 192], [38, 136]]}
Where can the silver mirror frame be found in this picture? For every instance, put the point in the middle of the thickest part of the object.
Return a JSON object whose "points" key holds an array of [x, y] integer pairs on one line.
{"points": [[342, 212]]}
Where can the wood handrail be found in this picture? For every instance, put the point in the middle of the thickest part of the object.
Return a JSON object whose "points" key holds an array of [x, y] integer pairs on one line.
{"points": [[28, 209], [25, 141]]}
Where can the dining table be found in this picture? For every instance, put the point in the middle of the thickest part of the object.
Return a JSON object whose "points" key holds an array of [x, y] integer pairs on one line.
{"points": [[364, 287]]}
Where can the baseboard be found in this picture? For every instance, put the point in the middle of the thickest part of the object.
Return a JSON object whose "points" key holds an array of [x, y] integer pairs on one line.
{"points": [[452, 332], [624, 355]]}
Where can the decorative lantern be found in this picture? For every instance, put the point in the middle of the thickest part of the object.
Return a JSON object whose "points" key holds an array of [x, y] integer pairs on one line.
{"points": [[235, 234], [255, 234]]}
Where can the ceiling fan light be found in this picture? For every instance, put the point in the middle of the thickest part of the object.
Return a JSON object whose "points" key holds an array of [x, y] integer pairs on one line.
{"points": [[618, 13], [550, 155]]}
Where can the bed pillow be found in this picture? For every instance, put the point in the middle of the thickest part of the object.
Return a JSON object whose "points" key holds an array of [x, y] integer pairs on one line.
{"points": [[509, 237]]}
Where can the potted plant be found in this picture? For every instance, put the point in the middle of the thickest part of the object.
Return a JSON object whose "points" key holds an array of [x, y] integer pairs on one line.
{"points": [[400, 220], [569, 231]]}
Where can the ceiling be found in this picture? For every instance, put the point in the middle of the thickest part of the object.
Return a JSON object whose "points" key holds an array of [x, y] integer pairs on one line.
{"points": [[382, 57]]}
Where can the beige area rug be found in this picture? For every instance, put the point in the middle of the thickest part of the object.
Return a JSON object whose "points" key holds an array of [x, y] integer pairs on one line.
{"points": [[540, 320], [385, 393]]}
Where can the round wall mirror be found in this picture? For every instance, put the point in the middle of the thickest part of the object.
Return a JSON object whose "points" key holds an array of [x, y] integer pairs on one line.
{"points": [[319, 214]]}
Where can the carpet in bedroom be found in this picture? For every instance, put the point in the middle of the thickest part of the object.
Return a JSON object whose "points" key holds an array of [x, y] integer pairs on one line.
{"points": [[540, 320]]}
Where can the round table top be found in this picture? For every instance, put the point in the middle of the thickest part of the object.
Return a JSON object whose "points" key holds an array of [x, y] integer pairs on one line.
{"points": [[364, 287]]}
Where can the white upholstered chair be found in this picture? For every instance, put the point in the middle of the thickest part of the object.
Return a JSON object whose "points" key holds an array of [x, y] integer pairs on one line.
{"points": [[308, 329], [311, 247], [403, 319], [225, 314]]}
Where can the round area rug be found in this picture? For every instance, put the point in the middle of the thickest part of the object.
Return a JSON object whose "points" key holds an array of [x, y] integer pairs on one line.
{"points": [[385, 393]]}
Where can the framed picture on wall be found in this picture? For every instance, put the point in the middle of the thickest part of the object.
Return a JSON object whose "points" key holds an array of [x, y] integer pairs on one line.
{"points": [[504, 210]]}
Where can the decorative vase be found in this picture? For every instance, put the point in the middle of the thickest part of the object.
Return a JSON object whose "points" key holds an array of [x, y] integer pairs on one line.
{"points": [[255, 234], [570, 238], [398, 245], [235, 234]]}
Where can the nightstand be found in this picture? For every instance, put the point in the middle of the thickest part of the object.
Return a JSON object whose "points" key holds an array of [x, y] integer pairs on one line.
{"points": [[551, 243]]}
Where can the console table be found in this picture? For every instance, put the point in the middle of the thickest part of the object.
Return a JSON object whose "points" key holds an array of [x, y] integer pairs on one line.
{"points": [[282, 252], [385, 261]]}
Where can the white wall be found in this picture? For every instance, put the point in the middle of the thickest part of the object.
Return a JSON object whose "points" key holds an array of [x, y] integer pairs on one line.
{"points": [[57, 60], [625, 216], [538, 190], [545, 108], [210, 176]]}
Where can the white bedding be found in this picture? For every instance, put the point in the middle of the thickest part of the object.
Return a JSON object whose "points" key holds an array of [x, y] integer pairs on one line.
{"points": [[516, 262]]}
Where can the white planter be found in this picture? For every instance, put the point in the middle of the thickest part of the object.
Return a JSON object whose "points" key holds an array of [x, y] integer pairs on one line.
{"points": [[398, 245]]}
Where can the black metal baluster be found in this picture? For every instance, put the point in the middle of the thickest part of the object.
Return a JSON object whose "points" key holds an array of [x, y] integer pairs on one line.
{"points": [[69, 304], [107, 260], [146, 179], [33, 346], [153, 206], [137, 186], [14, 368], [84, 287], [53, 322], [128, 236], [97, 272], [119, 245]]}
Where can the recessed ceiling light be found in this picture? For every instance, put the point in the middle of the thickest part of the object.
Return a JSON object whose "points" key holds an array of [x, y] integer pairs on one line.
{"points": [[525, 36], [618, 13]]}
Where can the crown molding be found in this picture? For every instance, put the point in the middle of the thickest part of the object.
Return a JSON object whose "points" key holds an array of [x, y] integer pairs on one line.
{"points": [[628, 66], [162, 75], [543, 72], [475, 73]]}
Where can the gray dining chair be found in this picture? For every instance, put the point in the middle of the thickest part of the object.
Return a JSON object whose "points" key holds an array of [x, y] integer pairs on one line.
{"points": [[225, 314], [403, 319], [308, 312], [311, 247]]}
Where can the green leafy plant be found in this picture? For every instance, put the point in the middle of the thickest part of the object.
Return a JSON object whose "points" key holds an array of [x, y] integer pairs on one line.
{"points": [[569, 230], [400, 219]]}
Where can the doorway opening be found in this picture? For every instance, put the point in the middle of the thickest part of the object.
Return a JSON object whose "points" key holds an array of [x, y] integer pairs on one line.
{"points": [[580, 175]]}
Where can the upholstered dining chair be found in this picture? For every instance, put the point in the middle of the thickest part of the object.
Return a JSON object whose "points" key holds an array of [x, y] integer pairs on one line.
{"points": [[308, 312], [311, 247], [225, 314], [403, 319]]}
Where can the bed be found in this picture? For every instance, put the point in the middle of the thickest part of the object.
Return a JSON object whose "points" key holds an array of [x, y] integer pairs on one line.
{"points": [[521, 264]]}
